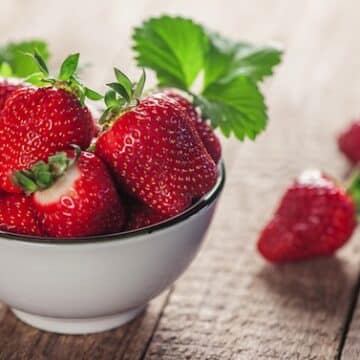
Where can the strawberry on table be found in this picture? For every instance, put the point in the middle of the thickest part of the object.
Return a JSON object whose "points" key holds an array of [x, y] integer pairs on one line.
{"points": [[154, 149], [207, 135], [37, 122], [73, 195], [17, 215], [315, 217], [349, 142]]}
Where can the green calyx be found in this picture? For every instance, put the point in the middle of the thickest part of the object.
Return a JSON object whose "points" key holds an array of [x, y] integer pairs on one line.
{"points": [[42, 175], [353, 189], [67, 78], [122, 96]]}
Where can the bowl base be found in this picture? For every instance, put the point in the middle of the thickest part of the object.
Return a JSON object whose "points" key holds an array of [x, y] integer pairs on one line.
{"points": [[78, 326]]}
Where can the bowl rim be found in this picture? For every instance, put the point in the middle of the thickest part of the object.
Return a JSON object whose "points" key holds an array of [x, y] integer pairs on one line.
{"points": [[203, 202]]}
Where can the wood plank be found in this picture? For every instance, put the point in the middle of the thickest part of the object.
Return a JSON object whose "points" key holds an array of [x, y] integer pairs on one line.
{"points": [[230, 304], [20, 341], [350, 349]]}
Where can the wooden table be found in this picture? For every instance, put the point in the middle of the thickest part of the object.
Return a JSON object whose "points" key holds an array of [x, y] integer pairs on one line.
{"points": [[230, 304]]}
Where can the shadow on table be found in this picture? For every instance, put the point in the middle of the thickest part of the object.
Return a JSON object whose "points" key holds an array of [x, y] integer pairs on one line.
{"points": [[314, 285]]}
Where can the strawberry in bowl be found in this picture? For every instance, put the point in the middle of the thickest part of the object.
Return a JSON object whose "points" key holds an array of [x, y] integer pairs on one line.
{"points": [[7, 87], [37, 122], [68, 191]]}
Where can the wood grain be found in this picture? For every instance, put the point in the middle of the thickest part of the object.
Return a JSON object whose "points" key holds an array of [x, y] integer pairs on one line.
{"points": [[20, 341], [230, 304]]}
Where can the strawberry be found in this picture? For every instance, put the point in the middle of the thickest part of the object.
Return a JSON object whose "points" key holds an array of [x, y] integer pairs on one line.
{"points": [[349, 142], [315, 218], [6, 89], [156, 152], [73, 195], [17, 215], [37, 122], [142, 216], [207, 135]]}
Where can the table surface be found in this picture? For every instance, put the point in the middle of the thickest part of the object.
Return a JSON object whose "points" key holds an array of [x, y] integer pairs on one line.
{"points": [[230, 304]]}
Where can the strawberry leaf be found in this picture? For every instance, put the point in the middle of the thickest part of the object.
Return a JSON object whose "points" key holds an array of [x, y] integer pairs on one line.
{"points": [[139, 86], [120, 89], [40, 62], [5, 70], [35, 79], [173, 47], [227, 58], [15, 55], [353, 189], [92, 95], [124, 82], [178, 50], [235, 106], [68, 67], [110, 98]]}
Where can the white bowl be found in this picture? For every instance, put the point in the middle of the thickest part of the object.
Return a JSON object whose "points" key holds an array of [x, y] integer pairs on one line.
{"points": [[87, 285]]}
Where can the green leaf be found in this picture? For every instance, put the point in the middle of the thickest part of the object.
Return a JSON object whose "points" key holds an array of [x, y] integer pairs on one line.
{"points": [[5, 70], [92, 95], [179, 50], [139, 87], [110, 98], [105, 115], [35, 79], [40, 62], [173, 47], [124, 81], [118, 88], [15, 55], [227, 58], [235, 105], [353, 189], [69, 66]]}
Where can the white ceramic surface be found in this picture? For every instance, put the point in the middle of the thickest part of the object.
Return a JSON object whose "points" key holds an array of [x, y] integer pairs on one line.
{"points": [[99, 283]]}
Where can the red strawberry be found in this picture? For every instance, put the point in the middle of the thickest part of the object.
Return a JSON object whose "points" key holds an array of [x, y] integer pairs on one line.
{"points": [[36, 123], [207, 135], [78, 196], [142, 216], [6, 89], [158, 156], [349, 142], [17, 215], [315, 218]]}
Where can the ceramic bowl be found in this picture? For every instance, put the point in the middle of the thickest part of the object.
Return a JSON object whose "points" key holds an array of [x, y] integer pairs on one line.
{"points": [[92, 284]]}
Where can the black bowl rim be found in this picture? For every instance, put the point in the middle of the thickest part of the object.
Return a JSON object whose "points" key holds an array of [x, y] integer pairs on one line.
{"points": [[205, 201]]}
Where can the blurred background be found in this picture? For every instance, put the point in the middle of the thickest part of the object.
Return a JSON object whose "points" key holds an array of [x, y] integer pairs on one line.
{"points": [[319, 37]]}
